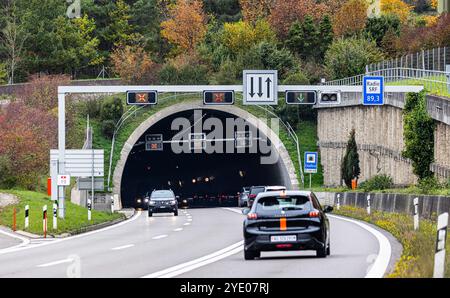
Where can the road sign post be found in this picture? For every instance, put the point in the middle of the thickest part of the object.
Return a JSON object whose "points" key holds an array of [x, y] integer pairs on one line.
{"points": [[260, 87], [373, 91], [439, 257], [416, 214]]}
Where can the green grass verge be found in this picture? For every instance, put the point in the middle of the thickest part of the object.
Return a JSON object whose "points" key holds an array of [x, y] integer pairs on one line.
{"points": [[76, 216], [417, 258], [436, 85]]}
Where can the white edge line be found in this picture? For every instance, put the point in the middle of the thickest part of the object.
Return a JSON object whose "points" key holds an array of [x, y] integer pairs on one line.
{"points": [[191, 265], [127, 221], [239, 211], [25, 241], [381, 263], [159, 237]]}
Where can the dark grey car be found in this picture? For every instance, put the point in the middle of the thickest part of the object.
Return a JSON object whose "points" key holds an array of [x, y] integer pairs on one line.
{"points": [[162, 201]]}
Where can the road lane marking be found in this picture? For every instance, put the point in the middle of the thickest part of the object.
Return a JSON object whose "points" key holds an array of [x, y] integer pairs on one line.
{"points": [[127, 221], [25, 241], [381, 263], [56, 263], [235, 210], [178, 230], [186, 224], [189, 219], [159, 237], [197, 263], [122, 247]]}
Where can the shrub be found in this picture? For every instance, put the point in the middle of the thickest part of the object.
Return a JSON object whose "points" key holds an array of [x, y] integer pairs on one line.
{"points": [[428, 184], [378, 182], [112, 109], [93, 108], [7, 179], [108, 127]]}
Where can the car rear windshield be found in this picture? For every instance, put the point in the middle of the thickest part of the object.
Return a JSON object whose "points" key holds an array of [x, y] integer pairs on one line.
{"points": [[274, 203], [256, 190], [160, 195]]}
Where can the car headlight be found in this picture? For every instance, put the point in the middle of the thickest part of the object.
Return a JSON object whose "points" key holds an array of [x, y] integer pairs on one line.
{"points": [[152, 202], [139, 201], [146, 200], [173, 202], [184, 201]]}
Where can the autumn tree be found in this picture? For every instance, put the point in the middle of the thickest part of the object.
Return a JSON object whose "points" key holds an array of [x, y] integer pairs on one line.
{"points": [[186, 25], [286, 12], [254, 10], [396, 7], [131, 63], [351, 18]]}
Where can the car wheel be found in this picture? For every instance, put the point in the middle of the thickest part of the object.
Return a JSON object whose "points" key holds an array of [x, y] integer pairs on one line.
{"points": [[321, 252], [328, 250], [175, 213], [250, 254], [150, 214]]}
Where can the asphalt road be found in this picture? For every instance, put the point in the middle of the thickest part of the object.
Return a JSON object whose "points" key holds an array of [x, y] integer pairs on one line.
{"points": [[198, 243]]}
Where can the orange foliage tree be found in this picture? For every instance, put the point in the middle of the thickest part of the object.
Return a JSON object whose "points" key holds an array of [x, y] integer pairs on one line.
{"points": [[186, 25], [351, 18], [396, 7], [286, 12], [131, 63], [253, 10]]}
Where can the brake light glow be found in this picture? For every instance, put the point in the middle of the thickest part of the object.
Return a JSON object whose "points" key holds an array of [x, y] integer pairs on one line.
{"points": [[314, 213], [252, 216], [284, 245], [252, 196]]}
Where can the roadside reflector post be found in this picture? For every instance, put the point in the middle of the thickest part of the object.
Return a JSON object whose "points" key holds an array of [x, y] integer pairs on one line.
{"points": [[55, 217], [44, 220], [14, 219], [368, 204], [112, 204], [89, 205], [338, 205], [416, 214], [27, 215], [439, 257]]}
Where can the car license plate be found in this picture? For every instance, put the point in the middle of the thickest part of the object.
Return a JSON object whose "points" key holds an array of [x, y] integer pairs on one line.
{"points": [[287, 238]]}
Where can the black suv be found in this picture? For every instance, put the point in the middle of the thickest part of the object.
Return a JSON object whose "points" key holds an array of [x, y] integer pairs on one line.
{"points": [[163, 201]]}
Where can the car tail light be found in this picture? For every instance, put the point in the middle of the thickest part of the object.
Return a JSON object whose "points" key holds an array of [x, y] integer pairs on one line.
{"points": [[252, 216], [252, 196], [284, 245], [314, 213]]}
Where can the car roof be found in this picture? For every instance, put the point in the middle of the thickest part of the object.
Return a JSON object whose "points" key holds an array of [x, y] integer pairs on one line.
{"points": [[287, 192], [276, 186]]}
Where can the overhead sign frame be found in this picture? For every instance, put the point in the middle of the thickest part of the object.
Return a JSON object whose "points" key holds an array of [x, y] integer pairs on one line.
{"points": [[224, 92], [243, 136], [260, 87], [154, 139], [373, 90]]}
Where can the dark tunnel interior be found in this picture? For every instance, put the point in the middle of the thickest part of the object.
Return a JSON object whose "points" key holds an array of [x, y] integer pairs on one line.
{"points": [[192, 175]]}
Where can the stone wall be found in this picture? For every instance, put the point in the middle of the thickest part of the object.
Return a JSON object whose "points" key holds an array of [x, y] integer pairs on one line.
{"points": [[379, 135], [442, 149]]}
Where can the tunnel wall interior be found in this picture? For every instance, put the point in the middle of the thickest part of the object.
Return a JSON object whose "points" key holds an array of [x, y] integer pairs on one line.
{"points": [[205, 179]]}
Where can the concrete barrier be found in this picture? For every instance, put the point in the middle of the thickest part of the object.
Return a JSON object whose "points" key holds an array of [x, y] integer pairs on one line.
{"points": [[429, 206]]}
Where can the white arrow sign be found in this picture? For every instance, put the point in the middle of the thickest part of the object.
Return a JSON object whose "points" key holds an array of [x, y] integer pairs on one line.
{"points": [[260, 87]]}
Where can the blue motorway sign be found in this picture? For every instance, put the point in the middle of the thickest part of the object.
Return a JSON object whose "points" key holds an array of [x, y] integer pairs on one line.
{"points": [[311, 162], [373, 90]]}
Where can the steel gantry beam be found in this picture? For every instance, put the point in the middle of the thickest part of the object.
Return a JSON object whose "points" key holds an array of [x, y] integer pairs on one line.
{"points": [[63, 90]]}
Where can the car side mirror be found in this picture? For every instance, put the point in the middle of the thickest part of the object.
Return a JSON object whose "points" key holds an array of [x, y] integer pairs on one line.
{"points": [[246, 211], [328, 209]]}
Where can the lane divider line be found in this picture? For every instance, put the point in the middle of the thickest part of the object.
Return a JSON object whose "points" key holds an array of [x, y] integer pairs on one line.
{"points": [[159, 237], [381, 263], [122, 247], [235, 210], [178, 230], [56, 263], [186, 224], [197, 263], [131, 219], [25, 241]]}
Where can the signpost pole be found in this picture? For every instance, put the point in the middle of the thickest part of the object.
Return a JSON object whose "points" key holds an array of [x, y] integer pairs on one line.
{"points": [[62, 151], [416, 214], [310, 175]]}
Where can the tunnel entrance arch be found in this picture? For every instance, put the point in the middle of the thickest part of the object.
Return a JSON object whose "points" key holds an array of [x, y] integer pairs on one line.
{"points": [[284, 169]]}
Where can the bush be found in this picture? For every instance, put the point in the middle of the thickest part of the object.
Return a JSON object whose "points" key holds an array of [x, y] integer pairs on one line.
{"points": [[108, 127], [112, 109], [428, 184], [7, 180], [93, 108], [349, 57], [378, 182]]}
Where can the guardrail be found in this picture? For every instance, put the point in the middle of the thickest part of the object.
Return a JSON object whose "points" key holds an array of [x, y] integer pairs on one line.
{"points": [[436, 82]]}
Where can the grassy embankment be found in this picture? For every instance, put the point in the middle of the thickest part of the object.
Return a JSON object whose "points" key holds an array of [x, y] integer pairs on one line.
{"points": [[417, 259], [76, 216], [436, 85]]}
